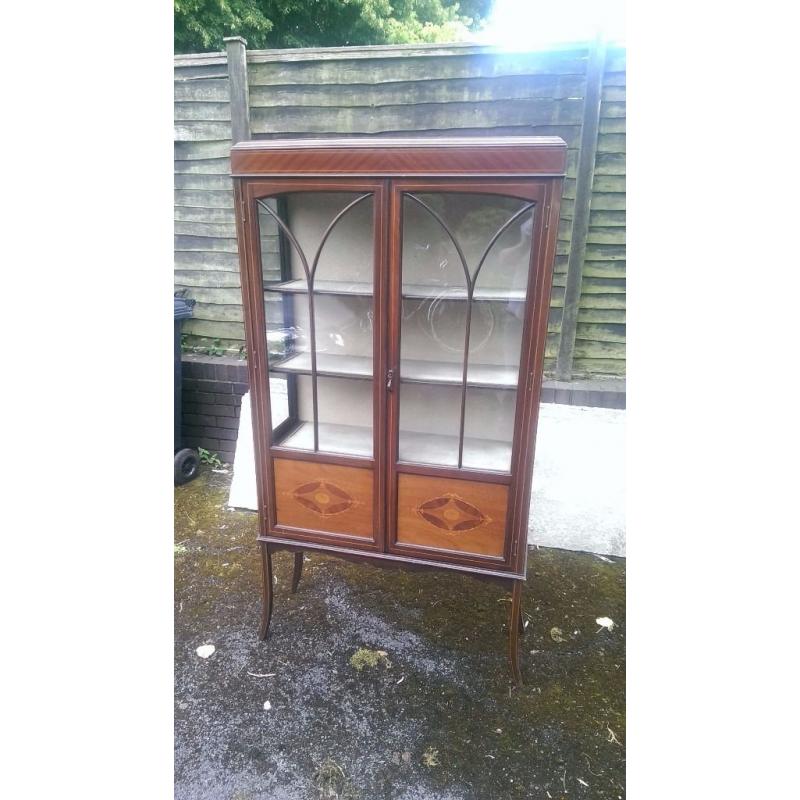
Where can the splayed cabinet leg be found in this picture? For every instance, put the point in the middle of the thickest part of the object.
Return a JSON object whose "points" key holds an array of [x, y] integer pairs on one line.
{"points": [[266, 590], [514, 626], [297, 572]]}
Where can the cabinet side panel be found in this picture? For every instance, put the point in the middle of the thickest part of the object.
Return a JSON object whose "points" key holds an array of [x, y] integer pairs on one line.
{"points": [[455, 515], [324, 497]]}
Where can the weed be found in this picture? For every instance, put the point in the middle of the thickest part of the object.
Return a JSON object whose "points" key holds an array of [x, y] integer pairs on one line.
{"points": [[215, 348], [332, 783], [207, 457]]}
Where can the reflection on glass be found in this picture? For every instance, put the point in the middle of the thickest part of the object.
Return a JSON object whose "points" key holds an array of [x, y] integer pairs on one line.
{"points": [[310, 243], [279, 400], [465, 262]]}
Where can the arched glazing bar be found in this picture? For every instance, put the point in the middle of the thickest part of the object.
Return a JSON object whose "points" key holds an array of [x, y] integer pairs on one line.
{"points": [[310, 274], [471, 282]]}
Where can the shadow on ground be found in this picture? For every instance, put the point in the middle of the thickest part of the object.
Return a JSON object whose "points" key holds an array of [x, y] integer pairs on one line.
{"points": [[440, 721]]}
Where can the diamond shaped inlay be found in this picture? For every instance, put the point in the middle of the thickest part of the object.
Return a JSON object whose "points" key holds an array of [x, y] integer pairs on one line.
{"points": [[323, 498], [452, 513]]}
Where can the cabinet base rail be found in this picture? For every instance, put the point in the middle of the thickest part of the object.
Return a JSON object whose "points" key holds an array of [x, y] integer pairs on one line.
{"points": [[516, 626]]}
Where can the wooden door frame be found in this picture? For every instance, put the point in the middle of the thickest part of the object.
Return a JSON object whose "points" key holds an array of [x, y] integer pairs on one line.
{"points": [[541, 191], [246, 192]]}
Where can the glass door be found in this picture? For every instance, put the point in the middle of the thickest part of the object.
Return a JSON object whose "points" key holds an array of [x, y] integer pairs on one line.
{"points": [[318, 260], [462, 279]]}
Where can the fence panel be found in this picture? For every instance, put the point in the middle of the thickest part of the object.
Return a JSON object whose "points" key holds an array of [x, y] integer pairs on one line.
{"points": [[429, 90]]}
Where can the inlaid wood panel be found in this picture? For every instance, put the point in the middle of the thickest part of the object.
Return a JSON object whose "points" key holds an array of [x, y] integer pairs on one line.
{"points": [[462, 516], [324, 497]]}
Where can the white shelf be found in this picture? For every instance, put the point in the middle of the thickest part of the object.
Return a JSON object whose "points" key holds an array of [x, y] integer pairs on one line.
{"points": [[322, 287], [411, 291], [418, 291], [328, 364], [416, 448], [490, 376], [346, 440], [442, 450]]}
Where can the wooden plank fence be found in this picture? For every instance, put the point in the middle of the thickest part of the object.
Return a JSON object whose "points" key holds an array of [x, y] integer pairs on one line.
{"points": [[575, 91]]}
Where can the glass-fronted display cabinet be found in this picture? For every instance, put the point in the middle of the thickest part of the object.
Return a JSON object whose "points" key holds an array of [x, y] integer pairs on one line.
{"points": [[396, 300]]}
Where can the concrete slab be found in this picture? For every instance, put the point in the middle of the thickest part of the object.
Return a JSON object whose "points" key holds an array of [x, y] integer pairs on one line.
{"points": [[578, 500]]}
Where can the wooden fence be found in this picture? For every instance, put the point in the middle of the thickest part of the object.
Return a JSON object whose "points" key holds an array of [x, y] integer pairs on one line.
{"points": [[576, 92]]}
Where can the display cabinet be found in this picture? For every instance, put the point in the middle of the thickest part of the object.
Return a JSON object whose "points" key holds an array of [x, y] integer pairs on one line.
{"points": [[396, 297]]}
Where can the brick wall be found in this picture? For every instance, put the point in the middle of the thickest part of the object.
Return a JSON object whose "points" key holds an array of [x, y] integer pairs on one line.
{"points": [[212, 398]]}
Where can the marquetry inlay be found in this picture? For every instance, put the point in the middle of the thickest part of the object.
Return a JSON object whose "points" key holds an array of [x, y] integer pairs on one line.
{"points": [[452, 513], [323, 498]]}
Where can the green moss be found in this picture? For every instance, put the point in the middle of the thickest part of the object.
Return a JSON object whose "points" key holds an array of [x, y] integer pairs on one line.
{"points": [[369, 658]]}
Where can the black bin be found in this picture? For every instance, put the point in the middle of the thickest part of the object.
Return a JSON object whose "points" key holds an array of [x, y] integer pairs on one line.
{"points": [[187, 460]]}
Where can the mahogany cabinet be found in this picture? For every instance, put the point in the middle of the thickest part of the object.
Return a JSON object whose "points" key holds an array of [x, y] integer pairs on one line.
{"points": [[396, 296]]}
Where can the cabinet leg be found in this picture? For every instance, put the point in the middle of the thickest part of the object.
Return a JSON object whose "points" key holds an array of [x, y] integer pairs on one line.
{"points": [[514, 625], [266, 590], [297, 571], [521, 619]]}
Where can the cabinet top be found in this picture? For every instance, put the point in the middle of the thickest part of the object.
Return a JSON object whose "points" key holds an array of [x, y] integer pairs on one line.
{"points": [[506, 156]]}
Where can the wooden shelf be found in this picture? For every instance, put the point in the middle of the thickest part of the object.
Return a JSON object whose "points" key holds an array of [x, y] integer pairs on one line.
{"points": [[488, 376], [415, 291], [415, 448]]}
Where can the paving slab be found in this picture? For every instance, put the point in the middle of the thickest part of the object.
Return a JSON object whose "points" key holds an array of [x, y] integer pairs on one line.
{"points": [[578, 492]]}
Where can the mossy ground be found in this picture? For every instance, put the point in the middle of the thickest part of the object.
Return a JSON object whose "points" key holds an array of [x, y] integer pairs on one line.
{"points": [[447, 689]]}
